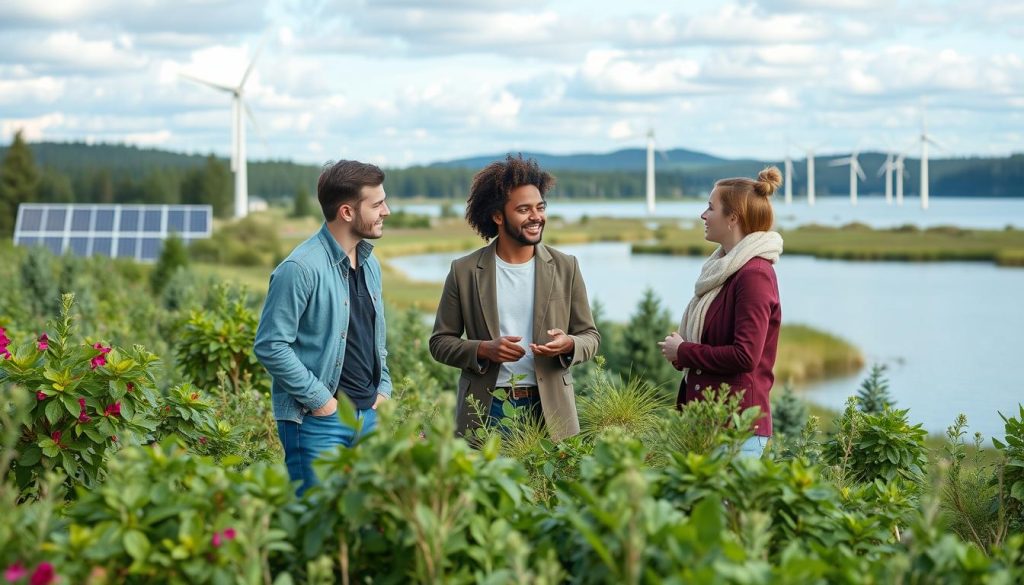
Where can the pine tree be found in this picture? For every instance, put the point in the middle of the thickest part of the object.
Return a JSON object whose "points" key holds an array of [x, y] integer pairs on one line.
{"points": [[789, 413], [303, 207], [640, 354], [19, 183], [873, 395], [173, 256]]}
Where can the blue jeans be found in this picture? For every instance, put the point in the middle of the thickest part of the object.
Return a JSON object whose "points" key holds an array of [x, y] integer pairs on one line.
{"points": [[305, 442], [753, 447], [529, 403]]}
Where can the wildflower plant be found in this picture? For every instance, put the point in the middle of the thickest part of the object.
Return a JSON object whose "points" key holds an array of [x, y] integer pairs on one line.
{"points": [[88, 398]]}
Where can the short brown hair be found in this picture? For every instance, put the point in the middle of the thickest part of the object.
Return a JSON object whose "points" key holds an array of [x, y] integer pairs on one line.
{"points": [[341, 182], [750, 200], [491, 186]]}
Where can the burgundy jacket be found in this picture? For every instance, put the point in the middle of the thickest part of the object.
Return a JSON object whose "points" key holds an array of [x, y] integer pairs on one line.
{"points": [[741, 336]]}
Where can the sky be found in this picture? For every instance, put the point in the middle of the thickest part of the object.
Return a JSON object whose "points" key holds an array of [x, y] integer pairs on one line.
{"points": [[403, 82]]}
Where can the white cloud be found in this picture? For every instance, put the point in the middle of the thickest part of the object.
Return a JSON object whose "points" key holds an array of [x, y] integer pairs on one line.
{"points": [[39, 90], [610, 72], [33, 129]]}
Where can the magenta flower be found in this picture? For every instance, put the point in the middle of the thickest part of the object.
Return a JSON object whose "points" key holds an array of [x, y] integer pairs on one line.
{"points": [[81, 404], [17, 571], [83, 417], [100, 359], [230, 534], [55, 436], [5, 353], [40, 396], [131, 386], [216, 541], [43, 575], [44, 342], [113, 410]]}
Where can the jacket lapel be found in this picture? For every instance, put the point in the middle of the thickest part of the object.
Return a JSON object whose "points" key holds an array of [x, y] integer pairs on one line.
{"points": [[544, 281], [485, 277]]}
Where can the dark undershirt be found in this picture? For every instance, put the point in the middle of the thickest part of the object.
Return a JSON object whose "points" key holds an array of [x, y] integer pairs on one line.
{"points": [[361, 369]]}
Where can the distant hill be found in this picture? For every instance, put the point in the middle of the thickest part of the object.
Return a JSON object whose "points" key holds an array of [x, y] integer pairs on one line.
{"points": [[102, 172], [630, 159]]}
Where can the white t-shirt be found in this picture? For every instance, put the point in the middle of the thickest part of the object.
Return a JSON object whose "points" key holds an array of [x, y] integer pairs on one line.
{"points": [[515, 284]]}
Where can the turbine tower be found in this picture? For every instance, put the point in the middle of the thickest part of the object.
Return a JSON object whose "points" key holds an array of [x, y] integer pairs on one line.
{"points": [[650, 171], [900, 173], [855, 171], [788, 168], [925, 139], [239, 162], [810, 175], [888, 167]]}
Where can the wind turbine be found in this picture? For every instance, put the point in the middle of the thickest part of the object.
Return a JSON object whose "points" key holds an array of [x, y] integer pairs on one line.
{"points": [[925, 139], [855, 171], [788, 168], [239, 162], [900, 173], [810, 174], [888, 167], [651, 147]]}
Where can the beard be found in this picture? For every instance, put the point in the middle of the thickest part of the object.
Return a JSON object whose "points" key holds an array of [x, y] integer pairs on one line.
{"points": [[516, 233], [365, 229]]}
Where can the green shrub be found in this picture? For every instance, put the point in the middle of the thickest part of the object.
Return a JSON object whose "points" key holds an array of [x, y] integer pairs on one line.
{"points": [[1011, 474], [714, 423], [969, 497], [870, 446], [219, 338], [88, 399]]}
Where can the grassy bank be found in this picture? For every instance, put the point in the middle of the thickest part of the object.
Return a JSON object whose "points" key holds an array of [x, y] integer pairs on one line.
{"points": [[807, 354], [860, 242]]}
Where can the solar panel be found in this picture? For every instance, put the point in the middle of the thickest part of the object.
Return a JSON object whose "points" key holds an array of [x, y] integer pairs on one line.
{"points": [[120, 231]]}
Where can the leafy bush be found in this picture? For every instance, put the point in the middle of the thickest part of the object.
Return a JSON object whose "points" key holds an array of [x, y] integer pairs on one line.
{"points": [[219, 338], [1012, 472], [703, 426], [870, 446], [972, 501], [89, 398]]}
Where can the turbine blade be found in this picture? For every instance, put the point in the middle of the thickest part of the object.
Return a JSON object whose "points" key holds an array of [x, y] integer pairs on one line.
{"points": [[248, 70], [200, 81], [257, 127]]}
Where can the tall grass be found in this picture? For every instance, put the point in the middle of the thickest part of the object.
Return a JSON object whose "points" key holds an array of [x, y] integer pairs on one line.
{"points": [[808, 354]]}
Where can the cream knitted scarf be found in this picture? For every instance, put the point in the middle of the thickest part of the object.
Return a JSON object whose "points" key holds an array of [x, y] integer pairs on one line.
{"points": [[716, 270]]}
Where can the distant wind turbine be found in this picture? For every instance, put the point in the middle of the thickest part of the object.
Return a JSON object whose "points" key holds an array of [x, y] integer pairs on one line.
{"points": [[651, 148], [925, 140], [888, 167], [788, 168], [855, 171], [239, 162], [900, 173], [810, 174]]}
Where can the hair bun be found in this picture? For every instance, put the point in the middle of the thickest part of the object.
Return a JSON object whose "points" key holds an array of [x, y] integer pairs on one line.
{"points": [[768, 181]]}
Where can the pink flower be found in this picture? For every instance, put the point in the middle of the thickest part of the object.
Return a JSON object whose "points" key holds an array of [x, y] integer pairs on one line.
{"points": [[230, 534], [113, 410], [216, 541], [44, 342], [5, 353], [84, 418], [100, 359], [40, 396], [43, 575], [81, 404], [55, 436], [15, 572], [131, 386]]}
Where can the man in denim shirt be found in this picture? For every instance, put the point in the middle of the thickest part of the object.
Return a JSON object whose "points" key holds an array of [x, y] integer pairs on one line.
{"points": [[322, 332]]}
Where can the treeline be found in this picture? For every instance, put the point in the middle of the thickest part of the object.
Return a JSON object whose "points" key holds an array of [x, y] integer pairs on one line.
{"points": [[111, 173]]}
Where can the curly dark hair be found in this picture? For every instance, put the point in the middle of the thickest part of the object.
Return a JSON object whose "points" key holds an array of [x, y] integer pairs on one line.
{"points": [[491, 186]]}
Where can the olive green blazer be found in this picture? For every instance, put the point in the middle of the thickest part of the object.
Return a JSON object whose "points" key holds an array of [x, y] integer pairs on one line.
{"points": [[469, 306]]}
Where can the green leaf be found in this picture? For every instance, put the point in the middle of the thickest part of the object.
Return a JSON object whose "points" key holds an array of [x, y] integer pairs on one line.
{"points": [[136, 544], [53, 411], [30, 455]]}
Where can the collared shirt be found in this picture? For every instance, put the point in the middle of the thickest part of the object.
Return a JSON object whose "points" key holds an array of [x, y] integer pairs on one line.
{"points": [[302, 335]]}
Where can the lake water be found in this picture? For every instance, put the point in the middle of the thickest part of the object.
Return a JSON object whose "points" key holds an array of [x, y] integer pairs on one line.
{"points": [[834, 211], [949, 332]]}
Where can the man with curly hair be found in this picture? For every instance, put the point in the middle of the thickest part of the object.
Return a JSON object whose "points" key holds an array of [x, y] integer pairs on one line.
{"points": [[522, 306]]}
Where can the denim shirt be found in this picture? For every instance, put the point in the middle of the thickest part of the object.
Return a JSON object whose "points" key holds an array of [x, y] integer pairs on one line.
{"points": [[301, 336]]}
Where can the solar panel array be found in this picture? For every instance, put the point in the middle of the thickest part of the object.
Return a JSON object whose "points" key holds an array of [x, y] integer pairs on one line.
{"points": [[116, 231]]}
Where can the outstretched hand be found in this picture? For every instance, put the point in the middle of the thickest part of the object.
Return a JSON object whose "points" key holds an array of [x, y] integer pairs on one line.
{"points": [[670, 347], [560, 344], [501, 350]]}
